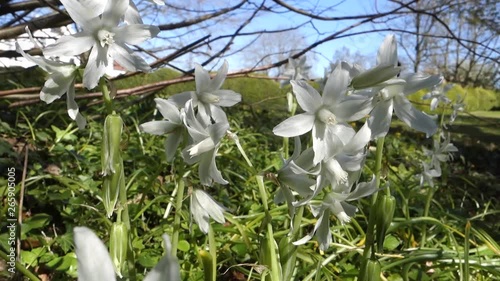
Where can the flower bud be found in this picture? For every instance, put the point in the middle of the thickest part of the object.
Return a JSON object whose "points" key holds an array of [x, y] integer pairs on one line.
{"points": [[386, 205], [207, 262], [370, 271], [111, 154], [112, 162], [118, 244]]}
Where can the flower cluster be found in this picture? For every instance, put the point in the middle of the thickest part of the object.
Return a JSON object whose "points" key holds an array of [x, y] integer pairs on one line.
{"points": [[197, 117], [103, 33], [325, 177]]}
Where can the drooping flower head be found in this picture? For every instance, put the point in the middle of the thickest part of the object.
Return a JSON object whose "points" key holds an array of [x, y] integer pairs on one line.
{"points": [[61, 81]]}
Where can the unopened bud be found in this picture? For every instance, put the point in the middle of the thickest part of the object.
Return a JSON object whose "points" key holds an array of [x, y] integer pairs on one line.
{"points": [[370, 271], [112, 162], [386, 205], [118, 244]]}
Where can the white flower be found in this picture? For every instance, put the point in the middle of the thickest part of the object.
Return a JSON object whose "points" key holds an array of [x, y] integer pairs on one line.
{"points": [[441, 152], [208, 97], [205, 141], [457, 106], [203, 207], [104, 37], [428, 175], [325, 115], [296, 70], [61, 81], [94, 262], [438, 95], [393, 99], [335, 203], [172, 125]]}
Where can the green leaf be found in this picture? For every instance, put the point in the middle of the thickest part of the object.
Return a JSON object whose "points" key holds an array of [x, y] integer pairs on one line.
{"points": [[37, 221], [391, 242], [147, 259], [183, 246]]}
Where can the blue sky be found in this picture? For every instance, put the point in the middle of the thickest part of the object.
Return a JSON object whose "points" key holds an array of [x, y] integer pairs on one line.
{"points": [[365, 44]]}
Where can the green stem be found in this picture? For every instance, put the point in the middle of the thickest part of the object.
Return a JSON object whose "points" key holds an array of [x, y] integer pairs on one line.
{"points": [[271, 243], [177, 217], [370, 235], [428, 201], [213, 251], [20, 267], [108, 101]]}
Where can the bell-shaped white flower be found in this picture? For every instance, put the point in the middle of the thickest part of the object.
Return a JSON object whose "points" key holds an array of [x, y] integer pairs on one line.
{"points": [[203, 207], [172, 125], [205, 141], [441, 152], [325, 115], [438, 95], [61, 81], [335, 203], [457, 107], [94, 262], [104, 36], [393, 99], [209, 97], [428, 174]]}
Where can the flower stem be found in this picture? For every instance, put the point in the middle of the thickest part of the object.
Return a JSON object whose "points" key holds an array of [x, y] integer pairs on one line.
{"points": [[177, 218], [108, 101], [428, 202], [274, 266], [213, 251], [370, 235]]}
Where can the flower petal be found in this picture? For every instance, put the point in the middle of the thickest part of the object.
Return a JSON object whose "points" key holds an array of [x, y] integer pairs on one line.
{"points": [[126, 58], [172, 143], [388, 51], [132, 14], [413, 117], [380, 119], [295, 126], [81, 14], [135, 34], [96, 67], [167, 268], [211, 206], [159, 127], [168, 110], [93, 258], [114, 11], [307, 97], [336, 85], [70, 45], [227, 97], [202, 79], [219, 78], [180, 99], [418, 81]]}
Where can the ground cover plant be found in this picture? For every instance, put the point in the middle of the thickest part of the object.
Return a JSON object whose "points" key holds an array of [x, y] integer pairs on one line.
{"points": [[215, 182]]}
